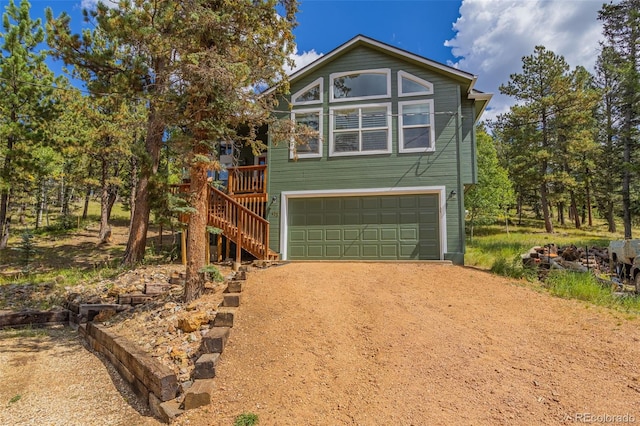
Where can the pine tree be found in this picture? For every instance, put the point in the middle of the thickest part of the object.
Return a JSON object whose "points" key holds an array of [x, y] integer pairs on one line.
{"points": [[228, 51], [621, 28], [26, 102], [493, 195]]}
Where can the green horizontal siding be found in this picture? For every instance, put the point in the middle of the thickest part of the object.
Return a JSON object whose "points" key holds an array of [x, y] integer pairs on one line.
{"points": [[439, 168]]}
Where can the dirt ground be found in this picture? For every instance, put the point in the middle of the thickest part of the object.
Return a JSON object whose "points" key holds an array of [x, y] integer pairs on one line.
{"points": [[416, 344], [375, 344]]}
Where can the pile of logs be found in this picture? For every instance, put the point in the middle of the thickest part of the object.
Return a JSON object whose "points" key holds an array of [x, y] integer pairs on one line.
{"points": [[572, 258]]}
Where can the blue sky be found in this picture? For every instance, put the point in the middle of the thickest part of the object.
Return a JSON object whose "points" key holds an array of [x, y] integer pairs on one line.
{"points": [[484, 37]]}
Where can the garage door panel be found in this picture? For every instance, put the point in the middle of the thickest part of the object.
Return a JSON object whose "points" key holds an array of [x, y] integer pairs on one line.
{"points": [[370, 235], [408, 202], [351, 203], [370, 251], [297, 251], [315, 251], [390, 203], [388, 234], [389, 250], [388, 217], [298, 235], [315, 235], [333, 204], [298, 220], [364, 227], [370, 203], [333, 235], [349, 218], [369, 218], [409, 251], [408, 234], [352, 251], [352, 234], [315, 219], [332, 219], [408, 217], [333, 251]]}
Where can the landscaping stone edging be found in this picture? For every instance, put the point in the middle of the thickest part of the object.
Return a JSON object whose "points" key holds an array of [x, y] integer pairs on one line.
{"points": [[152, 381], [141, 371]]}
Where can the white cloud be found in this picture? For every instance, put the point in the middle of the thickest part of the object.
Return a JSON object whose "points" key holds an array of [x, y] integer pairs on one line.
{"points": [[303, 59], [493, 36], [91, 4]]}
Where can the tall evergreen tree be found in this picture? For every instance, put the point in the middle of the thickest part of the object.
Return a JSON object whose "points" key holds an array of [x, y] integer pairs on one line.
{"points": [[26, 102], [129, 52], [228, 50], [621, 29], [607, 171], [536, 87]]}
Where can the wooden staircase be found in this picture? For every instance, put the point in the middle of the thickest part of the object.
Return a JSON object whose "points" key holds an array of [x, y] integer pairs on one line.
{"points": [[240, 212], [248, 230]]}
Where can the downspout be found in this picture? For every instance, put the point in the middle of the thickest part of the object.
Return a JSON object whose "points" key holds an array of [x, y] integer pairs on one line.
{"points": [[460, 190]]}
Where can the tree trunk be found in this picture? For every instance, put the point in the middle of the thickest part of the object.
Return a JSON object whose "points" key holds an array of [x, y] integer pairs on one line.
{"points": [[22, 216], [42, 193], [85, 210], [548, 225], [105, 230], [574, 209], [611, 218], [197, 228], [137, 242], [134, 184], [5, 195]]}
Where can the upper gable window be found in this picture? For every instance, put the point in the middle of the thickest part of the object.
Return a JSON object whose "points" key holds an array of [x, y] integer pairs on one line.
{"points": [[359, 85], [410, 85], [310, 94], [311, 145]]}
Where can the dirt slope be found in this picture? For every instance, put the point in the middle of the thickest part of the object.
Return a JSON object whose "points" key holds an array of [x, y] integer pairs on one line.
{"points": [[413, 344]]}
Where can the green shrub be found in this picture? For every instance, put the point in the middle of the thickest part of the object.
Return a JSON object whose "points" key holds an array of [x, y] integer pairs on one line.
{"points": [[513, 268], [577, 285], [246, 419]]}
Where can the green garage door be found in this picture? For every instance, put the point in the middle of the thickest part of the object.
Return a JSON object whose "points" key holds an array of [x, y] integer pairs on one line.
{"points": [[388, 227]]}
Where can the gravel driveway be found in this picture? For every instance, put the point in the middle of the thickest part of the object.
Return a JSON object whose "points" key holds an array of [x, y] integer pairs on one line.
{"points": [[367, 344], [420, 344]]}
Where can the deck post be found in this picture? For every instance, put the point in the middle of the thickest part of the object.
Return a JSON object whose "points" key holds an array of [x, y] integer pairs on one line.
{"points": [[238, 262], [207, 248], [183, 246], [219, 247]]}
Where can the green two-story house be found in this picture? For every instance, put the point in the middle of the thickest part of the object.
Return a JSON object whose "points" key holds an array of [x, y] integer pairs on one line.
{"points": [[385, 178], [381, 176]]}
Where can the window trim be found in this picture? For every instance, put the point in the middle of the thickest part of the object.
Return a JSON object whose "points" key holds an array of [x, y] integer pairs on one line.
{"points": [[317, 82], [293, 153], [418, 80], [401, 126], [385, 71], [333, 153]]}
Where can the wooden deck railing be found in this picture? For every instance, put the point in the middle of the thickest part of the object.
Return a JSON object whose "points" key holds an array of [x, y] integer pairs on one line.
{"points": [[240, 213], [247, 180], [248, 230]]}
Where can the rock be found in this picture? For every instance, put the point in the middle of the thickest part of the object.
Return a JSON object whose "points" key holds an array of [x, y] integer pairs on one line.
{"points": [[192, 321], [199, 394], [104, 315]]}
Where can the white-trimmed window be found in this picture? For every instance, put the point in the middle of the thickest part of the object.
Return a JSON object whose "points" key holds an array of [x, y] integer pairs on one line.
{"points": [[415, 122], [410, 85], [311, 146], [310, 94], [360, 85], [360, 130]]}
